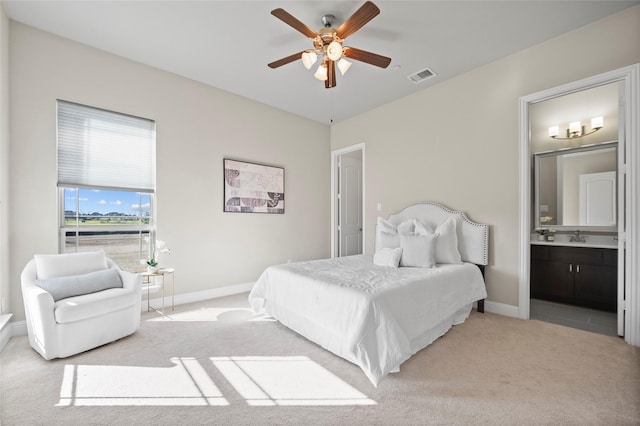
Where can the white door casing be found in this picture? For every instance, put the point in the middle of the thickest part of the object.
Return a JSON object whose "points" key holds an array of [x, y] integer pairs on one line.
{"points": [[335, 155], [350, 203], [628, 205]]}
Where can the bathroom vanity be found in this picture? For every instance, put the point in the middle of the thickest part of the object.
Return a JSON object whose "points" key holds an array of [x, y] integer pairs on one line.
{"points": [[575, 273], [576, 192]]}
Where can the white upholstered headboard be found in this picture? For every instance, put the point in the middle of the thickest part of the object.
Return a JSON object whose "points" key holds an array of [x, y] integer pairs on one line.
{"points": [[473, 238]]}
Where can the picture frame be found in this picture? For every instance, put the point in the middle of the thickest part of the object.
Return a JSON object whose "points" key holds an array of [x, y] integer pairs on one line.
{"points": [[253, 187]]}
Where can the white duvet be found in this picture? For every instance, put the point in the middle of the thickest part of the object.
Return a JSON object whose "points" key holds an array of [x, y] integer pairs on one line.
{"points": [[373, 316]]}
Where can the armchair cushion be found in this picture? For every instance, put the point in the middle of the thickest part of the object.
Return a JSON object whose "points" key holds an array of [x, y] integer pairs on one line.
{"points": [[87, 306], [77, 285], [64, 265]]}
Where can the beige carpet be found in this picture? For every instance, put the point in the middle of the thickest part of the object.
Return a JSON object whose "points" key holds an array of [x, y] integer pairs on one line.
{"points": [[212, 363]]}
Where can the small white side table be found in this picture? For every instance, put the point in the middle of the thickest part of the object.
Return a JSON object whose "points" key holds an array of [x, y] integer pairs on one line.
{"points": [[162, 272]]}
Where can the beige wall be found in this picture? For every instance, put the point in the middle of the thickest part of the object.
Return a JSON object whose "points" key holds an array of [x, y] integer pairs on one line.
{"points": [[197, 126], [457, 142], [4, 164]]}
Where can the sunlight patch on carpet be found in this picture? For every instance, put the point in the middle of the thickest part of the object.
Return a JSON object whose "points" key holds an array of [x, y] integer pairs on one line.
{"points": [[215, 314], [185, 384], [287, 380]]}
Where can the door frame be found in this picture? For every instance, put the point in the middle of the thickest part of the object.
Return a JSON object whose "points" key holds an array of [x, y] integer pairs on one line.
{"points": [[335, 240], [630, 107]]}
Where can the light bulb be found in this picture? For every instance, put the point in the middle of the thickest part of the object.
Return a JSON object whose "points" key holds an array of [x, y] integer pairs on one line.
{"points": [[321, 73], [343, 65], [309, 58], [334, 50], [554, 131]]}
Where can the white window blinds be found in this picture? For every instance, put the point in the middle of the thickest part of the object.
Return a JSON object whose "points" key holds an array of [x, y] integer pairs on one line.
{"points": [[104, 149]]}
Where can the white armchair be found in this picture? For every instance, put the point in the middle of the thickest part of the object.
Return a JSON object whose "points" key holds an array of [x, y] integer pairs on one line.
{"points": [[76, 315]]}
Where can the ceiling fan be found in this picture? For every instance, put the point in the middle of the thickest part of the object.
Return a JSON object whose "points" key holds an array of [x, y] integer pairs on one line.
{"points": [[328, 43]]}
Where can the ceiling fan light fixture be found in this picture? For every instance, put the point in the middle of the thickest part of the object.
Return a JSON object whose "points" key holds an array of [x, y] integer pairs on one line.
{"points": [[334, 50], [321, 73], [343, 65], [309, 58]]}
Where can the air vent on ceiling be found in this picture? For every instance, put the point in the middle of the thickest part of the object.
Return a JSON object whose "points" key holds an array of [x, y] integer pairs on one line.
{"points": [[421, 76]]}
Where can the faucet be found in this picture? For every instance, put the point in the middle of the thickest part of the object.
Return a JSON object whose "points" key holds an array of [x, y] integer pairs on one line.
{"points": [[577, 238]]}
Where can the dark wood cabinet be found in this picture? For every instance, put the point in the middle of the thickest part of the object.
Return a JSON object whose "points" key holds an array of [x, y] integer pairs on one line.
{"points": [[575, 275]]}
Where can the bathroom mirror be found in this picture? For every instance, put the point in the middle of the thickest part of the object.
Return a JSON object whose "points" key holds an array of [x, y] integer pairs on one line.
{"points": [[577, 188]]}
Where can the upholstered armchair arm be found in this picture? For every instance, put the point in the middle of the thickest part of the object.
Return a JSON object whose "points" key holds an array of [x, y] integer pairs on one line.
{"points": [[131, 280], [39, 310]]}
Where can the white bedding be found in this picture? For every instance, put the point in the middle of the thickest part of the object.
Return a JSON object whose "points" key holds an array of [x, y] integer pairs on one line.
{"points": [[373, 316]]}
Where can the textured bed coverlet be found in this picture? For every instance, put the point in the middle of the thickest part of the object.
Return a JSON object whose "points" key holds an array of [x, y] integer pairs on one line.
{"points": [[373, 316]]}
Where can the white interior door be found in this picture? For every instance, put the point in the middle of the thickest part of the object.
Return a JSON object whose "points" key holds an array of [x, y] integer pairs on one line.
{"points": [[598, 199], [350, 203]]}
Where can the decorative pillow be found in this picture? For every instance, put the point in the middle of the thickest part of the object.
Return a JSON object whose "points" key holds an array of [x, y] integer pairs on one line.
{"points": [[64, 265], [407, 227], [76, 285], [386, 235], [388, 257], [422, 229], [447, 247], [386, 240], [386, 226], [418, 250]]}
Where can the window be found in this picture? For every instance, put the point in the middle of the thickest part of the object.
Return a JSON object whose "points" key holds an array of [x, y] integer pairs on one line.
{"points": [[106, 183]]}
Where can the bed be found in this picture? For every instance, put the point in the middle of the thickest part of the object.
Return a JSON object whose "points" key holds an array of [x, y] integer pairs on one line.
{"points": [[372, 313]]}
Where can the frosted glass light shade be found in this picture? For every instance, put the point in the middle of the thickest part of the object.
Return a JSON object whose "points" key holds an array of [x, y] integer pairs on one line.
{"points": [[308, 59], [597, 123], [321, 73], [575, 127], [554, 131], [334, 51], [343, 65]]}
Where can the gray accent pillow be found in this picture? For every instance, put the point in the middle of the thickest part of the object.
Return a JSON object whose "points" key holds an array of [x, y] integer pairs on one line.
{"points": [[77, 285]]}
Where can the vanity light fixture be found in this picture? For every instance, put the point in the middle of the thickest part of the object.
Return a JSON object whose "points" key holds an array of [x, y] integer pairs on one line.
{"points": [[576, 129]]}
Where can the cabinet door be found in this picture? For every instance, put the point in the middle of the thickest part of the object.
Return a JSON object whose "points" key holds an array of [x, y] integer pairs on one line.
{"points": [[551, 279], [598, 285]]}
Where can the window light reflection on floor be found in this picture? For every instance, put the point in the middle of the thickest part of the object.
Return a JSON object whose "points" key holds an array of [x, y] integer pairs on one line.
{"points": [[185, 384], [259, 380], [287, 380]]}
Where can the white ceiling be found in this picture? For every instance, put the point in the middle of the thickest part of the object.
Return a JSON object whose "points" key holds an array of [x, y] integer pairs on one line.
{"points": [[227, 44]]}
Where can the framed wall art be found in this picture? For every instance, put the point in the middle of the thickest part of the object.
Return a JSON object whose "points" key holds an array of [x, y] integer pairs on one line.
{"points": [[253, 188]]}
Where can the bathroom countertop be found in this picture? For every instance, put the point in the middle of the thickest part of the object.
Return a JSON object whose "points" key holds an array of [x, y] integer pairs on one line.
{"points": [[592, 241]]}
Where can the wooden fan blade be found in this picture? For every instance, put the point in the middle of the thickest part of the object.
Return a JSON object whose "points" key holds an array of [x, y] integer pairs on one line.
{"points": [[289, 19], [367, 12], [331, 75], [284, 61], [368, 57]]}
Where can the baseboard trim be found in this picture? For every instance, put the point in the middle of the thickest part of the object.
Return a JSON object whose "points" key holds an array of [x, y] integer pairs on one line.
{"points": [[5, 329], [199, 296], [501, 309]]}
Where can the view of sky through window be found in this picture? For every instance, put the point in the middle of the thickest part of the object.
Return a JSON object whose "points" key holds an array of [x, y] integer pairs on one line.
{"points": [[106, 202]]}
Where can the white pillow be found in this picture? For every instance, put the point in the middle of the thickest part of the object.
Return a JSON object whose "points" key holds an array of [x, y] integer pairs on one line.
{"points": [[407, 227], [64, 265], [418, 250], [386, 226], [447, 247], [386, 235], [389, 257], [386, 240]]}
